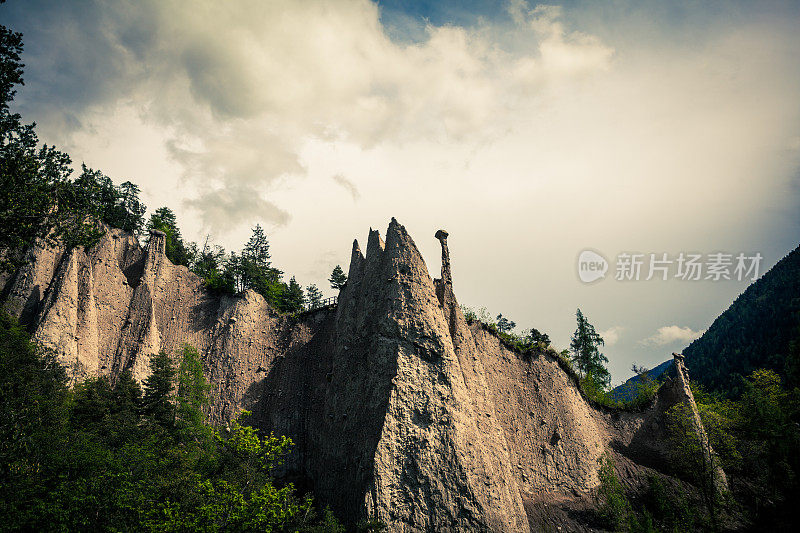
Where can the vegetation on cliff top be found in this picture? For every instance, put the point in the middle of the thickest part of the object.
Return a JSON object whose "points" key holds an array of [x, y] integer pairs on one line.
{"points": [[584, 355]]}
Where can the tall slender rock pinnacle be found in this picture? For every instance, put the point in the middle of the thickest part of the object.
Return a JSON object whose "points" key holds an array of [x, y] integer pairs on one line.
{"points": [[446, 275], [156, 252], [709, 456]]}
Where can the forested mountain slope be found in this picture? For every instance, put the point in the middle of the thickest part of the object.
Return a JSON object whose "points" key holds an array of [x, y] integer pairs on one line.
{"points": [[760, 329]]}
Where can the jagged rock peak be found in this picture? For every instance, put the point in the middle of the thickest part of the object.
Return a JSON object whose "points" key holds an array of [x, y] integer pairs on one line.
{"points": [[398, 254], [375, 245], [356, 271], [402, 253]]}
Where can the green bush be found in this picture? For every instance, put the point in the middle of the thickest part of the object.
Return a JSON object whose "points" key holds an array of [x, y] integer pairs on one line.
{"points": [[613, 507]]}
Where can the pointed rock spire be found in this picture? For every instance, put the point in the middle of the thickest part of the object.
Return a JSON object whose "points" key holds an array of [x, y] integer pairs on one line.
{"points": [[685, 394], [356, 271]]}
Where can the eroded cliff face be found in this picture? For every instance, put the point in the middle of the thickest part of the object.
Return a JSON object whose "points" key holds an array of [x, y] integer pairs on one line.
{"points": [[108, 309], [399, 409]]}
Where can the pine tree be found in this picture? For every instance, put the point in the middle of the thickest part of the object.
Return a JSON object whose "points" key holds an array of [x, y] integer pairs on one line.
{"points": [[256, 271], [130, 209], [192, 389], [127, 405], [534, 336], [586, 354], [157, 402], [292, 298], [257, 248], [208, 263], [313, 296], [505, 325], [338, 278]]}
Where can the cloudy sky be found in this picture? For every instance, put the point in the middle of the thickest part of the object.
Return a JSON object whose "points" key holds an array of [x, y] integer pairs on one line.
{"points": [[530, 132]]}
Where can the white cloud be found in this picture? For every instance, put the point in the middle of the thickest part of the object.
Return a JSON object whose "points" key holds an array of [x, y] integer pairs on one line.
{"points": [[347, 185], [247, 84], [528, 137], [611, 335], [672, 334]]}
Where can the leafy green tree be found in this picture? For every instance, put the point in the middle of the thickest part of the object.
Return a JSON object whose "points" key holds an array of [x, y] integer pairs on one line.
{"points": [[165, 220], [126, 406], [10, 65], [110, 411], [96, 198], [207, 261], [232, 269], [792, 364], [130, 210], [770, 442], [338, 278], [242, 496], [613, 506], [313, 297], [639, 392], [689, 458], [586, 355], [209, 264]]}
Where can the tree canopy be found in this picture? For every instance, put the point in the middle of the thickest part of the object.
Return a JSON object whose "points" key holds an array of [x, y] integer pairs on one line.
{"points": [[504, 325], [37, 198], [106, 457], [313, 296]]}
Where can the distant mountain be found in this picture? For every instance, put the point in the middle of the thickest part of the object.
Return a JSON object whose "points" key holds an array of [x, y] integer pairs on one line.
{"points": [[761, 329], [630, 389], [756, 331]]}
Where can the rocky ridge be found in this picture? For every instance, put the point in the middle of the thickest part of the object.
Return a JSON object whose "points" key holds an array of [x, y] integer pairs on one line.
{"points": [[399, 409]]}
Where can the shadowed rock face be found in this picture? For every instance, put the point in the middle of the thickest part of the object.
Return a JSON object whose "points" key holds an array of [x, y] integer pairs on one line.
{"points": [[399, 409]]}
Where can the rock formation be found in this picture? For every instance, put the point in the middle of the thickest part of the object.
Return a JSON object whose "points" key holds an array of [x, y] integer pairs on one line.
{"points": [[400, 409], [686, 397]]}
